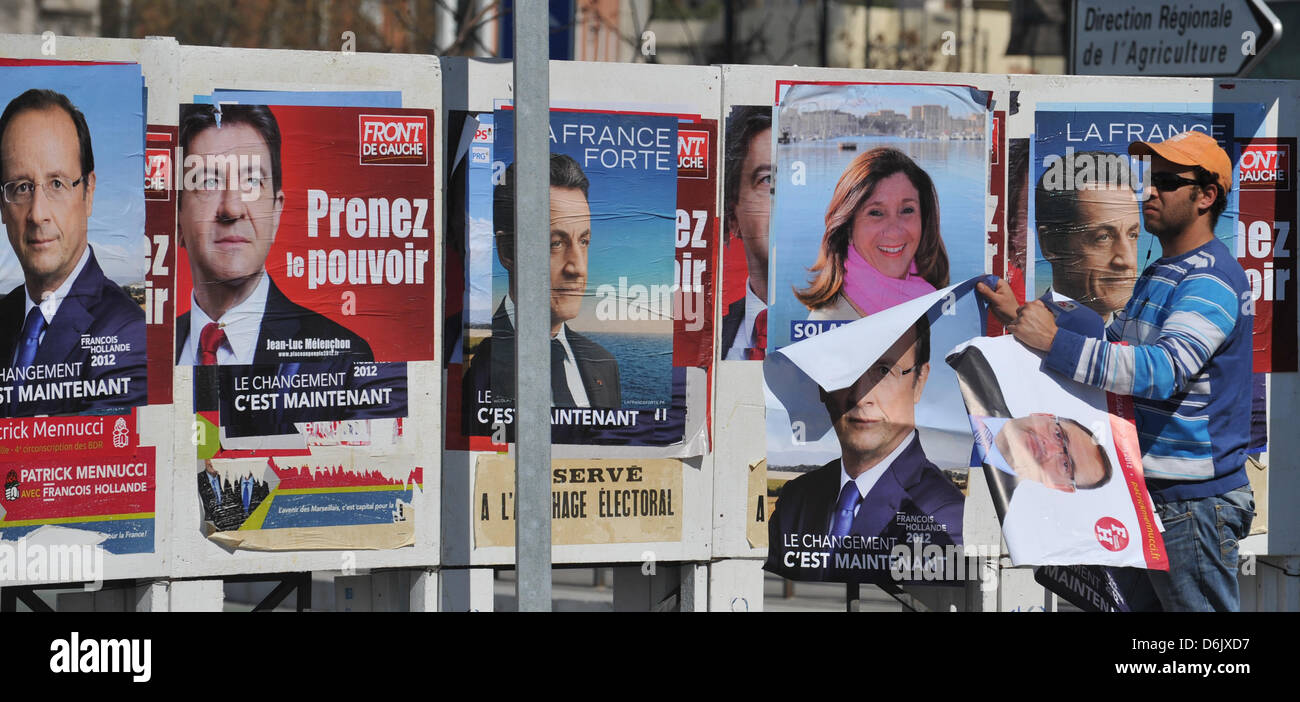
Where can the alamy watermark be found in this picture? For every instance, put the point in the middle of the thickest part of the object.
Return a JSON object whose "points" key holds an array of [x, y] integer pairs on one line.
{"points": [[77, 655], [25, 562], [1094, 170], [917, 561]]}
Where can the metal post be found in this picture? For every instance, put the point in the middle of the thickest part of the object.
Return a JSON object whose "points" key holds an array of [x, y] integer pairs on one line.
{"points": [[533, 312], [729, 29], [823, 35], [866, 57]]}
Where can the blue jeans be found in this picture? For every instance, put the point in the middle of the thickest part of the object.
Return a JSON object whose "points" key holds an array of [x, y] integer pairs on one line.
{"points": [[1201, 538]]}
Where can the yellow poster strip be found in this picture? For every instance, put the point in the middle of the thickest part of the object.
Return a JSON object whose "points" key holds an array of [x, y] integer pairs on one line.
{"points": [[593, 501], [759, 509]]}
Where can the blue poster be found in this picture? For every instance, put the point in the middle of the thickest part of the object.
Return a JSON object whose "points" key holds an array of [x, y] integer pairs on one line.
{"points": [[613, 234], [1089, 240], [112, 99], [898, 171]]}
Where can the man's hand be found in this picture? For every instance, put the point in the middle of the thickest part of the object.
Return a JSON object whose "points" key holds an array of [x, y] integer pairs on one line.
{"points": [[1002, 301], [1034, 326]]}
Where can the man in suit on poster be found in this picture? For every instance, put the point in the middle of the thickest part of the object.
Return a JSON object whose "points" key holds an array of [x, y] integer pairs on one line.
{"points": [[747, 205], [1088, 233], [220, 504], [227, 504], [238, 315], [67, 314], [583, 373], [882, 485]]}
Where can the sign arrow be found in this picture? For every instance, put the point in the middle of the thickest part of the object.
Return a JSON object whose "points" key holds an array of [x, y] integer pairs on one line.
{"points": [[1209, 38]]}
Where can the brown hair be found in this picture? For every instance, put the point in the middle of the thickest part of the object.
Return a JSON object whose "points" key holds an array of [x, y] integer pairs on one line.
{"points": [[855, 187]]}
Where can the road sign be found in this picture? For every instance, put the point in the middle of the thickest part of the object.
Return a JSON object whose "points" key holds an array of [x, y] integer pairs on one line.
{"points": [[1173, 38]]}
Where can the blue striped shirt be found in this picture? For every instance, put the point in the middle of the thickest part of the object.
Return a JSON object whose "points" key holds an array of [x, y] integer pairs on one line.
{"points": [[1187, 364]]}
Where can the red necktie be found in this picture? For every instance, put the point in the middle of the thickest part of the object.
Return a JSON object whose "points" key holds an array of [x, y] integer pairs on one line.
{"points": [[758, 347], [210, 339]]}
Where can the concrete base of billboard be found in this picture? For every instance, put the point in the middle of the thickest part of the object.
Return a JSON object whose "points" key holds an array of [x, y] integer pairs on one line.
{"points": [[1274, 585], [466, 589], [196, 596], [736, 585]]}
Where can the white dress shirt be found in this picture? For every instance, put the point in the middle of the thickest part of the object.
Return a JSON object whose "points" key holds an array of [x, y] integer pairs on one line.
{"points": [[871, 476], [745, 332], [241, 323], [572, 377], [50, 301]]}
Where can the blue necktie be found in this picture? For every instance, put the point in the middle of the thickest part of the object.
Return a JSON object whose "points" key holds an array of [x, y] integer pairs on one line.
{"points": [[216, 486], [32, 329], [843, 517], [248, 495]]}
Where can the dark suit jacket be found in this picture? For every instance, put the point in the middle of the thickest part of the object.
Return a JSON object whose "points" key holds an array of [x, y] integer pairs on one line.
{"points": [[493, 368], [731, 324], [94, 307], [283, 319], [983, 395], [207, 495], [229, 513], [911, 486]]}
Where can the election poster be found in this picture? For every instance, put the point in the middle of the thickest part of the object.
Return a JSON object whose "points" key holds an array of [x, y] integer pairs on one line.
{"points": [[593, 501], [78, 309], [311, 270], [1100, 588], [160, 232], [323, 254], [631, 303], [746, 208], [331, 500], [468, 148], [86, 473], [614, 175], [1031, 460], [294, 263], [467, 264], [74, 268], [1017, 215], [1060, 458], [1266, 224], [475, 183], [901, 172], [866, 427], [998, 236], [1090, 239]]}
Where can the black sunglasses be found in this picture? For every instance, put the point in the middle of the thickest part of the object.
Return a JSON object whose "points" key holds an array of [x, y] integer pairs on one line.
{"points": [[1165, 182]]}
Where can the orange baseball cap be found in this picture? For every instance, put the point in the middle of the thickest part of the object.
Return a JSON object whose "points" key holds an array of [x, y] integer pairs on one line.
{"points": [[1190, 148]]}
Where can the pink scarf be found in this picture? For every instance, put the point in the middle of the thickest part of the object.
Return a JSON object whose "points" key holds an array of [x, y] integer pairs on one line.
{"points": [[873, 291]]}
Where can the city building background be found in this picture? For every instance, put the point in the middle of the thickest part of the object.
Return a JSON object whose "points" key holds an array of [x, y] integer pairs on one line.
{"points": [[984, 36]]}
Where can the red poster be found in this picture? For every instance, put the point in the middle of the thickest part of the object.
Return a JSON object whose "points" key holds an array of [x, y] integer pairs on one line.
{"points": [[1266, 247], [160, 229], [335, 204], [697, 236], [104, 492], [38, 440], [997, 231]]}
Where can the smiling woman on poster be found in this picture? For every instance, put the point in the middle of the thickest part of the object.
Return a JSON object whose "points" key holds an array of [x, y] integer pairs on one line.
{"points": [[886, 207]]}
